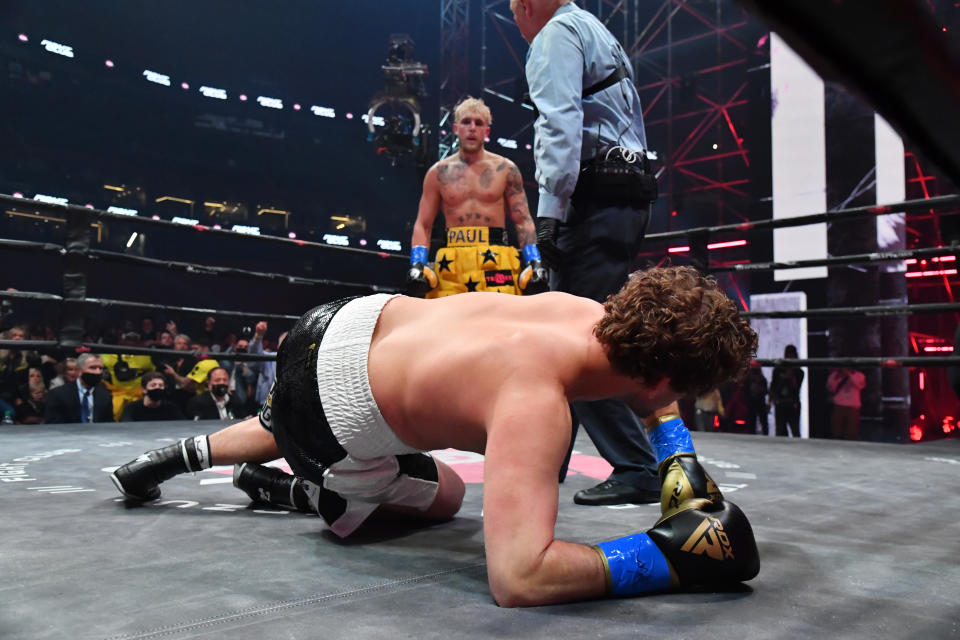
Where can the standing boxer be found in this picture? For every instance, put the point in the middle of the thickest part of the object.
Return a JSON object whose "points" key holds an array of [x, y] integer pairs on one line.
{"points": [[476, 190]]}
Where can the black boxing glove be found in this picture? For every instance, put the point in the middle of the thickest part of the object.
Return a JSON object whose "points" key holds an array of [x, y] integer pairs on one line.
{"points": [[682, 477], [534, 277], [421, 279], [547, 230], [699, 543]]}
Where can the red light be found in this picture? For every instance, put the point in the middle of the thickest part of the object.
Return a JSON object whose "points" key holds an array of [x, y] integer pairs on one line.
{"points": [[678, 249], [22, 37], [673, 213], [916, 433], [716, 421], [243, 97], [108, 64], [740, 421], [184, 85], [941, 272], [296, 107], [724, 245], [923, 381]]}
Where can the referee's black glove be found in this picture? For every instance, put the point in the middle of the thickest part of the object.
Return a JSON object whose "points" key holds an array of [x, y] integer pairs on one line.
{"points": [[547, 229]]}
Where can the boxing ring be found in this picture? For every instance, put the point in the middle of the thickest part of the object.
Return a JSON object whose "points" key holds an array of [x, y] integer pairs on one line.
{"points": [[857, 540]]}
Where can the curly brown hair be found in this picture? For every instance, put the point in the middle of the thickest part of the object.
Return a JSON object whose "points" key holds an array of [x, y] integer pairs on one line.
{"points": [[674, 322]]}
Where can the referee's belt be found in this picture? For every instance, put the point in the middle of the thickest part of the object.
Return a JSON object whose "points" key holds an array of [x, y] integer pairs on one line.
{"points": [[471, 236]]}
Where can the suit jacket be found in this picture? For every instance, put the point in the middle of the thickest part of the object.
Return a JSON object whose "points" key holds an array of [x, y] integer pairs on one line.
{"points": [[203, 407], [63, 404]]}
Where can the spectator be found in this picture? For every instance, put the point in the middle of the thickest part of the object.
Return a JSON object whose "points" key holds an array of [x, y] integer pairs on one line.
{"points": [[266, 370], [844, 386], [148, 332], [122, 373], [243, 378], [708, 410], [154, 405], [32, 399], [67, 373], [13, 372], [758, 408], [86, 401], [217, 403], [785, 395]]}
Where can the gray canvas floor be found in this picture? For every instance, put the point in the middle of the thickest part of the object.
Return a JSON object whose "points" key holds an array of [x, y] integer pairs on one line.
{"points": [[857, 541]]}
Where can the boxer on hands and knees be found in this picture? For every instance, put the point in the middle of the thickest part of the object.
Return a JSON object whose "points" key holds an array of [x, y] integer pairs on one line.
{"points": [[353, 410], [476, 190]]}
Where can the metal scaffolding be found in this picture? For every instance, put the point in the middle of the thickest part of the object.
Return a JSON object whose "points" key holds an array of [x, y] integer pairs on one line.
{"points": [[454, 68]]}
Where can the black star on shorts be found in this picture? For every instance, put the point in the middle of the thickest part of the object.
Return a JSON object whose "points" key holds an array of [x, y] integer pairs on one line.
{"points": [[471, 285], [443, 264], [490, 256]]}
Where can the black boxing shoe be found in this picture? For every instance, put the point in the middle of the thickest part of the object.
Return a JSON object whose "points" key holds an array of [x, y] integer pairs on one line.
{"points": [[267, 485], [140, 479], [615, 492]]}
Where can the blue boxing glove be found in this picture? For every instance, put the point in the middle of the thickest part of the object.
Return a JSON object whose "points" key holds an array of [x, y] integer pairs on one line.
{"points": [[534, 277], [699, 543], [421, 279]]}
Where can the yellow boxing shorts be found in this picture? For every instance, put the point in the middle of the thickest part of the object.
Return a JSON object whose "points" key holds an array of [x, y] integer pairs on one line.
{"points": [[476, 259]]}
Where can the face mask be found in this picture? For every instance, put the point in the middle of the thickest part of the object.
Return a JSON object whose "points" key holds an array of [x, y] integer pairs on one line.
{"points": [[90, 378], [156, 394], [219, 390]]}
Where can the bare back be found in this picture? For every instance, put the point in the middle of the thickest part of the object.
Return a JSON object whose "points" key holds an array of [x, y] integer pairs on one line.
{"points": [[439, 367]]}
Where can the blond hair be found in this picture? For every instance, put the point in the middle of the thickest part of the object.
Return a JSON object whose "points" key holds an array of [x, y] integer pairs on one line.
{"points": [[473, 105]]}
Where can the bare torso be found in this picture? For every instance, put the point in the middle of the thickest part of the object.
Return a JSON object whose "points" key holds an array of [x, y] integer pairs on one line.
{"points": [[473, 194], [438, 368]]}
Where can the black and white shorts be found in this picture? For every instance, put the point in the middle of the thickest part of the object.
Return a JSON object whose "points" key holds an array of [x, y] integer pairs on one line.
{"points": [[328, 426]]}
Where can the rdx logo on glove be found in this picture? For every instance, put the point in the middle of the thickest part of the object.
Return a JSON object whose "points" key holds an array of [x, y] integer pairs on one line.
{"points": [[709, 539]]}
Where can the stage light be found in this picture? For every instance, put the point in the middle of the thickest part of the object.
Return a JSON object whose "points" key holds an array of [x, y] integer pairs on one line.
{"points": [[378, 121], [390, 245], [50, 199], [108, 64], [158, 78], [154, 217], [243, 97], [56, 47], [248, 230], [17, 194], [133, 238], [23, 37], [270, 103], [404, 87], [527, 147], [507, 143], [213, 92], [349, 116], [292, 235], [325, 112], [916, 433], [184, 85], [715, 146], [123, 211], [190, 221], [337, 240], [296, 107]]}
